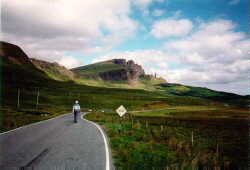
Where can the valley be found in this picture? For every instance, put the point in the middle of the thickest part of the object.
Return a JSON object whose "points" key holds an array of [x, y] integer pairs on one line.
{"points": [[174, 126]]}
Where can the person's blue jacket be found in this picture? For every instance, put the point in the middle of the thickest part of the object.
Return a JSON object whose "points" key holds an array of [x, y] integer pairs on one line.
{"points": [[76, 107]]}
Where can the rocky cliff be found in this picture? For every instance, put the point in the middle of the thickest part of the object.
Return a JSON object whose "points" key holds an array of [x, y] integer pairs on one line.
{"points": [[130, 72]]}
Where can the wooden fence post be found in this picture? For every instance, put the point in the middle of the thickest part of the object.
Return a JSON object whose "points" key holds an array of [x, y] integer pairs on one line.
{"points": [[18, 98], [161, 128], [132, 119], [192, 138]]}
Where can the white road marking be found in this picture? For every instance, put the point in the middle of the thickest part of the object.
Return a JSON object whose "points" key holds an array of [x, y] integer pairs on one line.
{"points": [[34, 124], [105, 141]]}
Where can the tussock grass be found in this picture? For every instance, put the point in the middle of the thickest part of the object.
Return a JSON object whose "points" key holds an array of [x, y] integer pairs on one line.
{"points": [[151, 142]]}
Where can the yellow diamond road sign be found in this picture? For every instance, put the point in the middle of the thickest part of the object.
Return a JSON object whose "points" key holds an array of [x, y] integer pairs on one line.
{"points": [[121, 110]]}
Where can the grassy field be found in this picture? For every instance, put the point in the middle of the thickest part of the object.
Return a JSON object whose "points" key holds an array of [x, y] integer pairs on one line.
{"points": [[59, 100], [146, 139], [196, 112], [95, 69], [140, 141], [142, 83], [161, 138]]}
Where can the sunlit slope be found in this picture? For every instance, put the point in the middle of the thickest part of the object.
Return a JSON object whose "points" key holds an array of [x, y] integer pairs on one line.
{"points": [[54, 70], [93, 70], [201, 92]]}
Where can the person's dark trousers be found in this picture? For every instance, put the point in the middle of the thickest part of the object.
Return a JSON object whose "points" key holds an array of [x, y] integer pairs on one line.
{"points": [[75, 116]]}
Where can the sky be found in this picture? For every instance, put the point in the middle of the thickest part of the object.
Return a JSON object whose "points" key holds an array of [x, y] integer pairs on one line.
{"points": [[192, 42]]}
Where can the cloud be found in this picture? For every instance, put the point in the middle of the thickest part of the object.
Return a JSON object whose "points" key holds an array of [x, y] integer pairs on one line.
{"points": [[144, 6], [214, 42], [171, 27], [70, 62], [234, 2], [177, 14], [158, 12], [214, 56], [142, 3], [62, 26], [208, 80]]}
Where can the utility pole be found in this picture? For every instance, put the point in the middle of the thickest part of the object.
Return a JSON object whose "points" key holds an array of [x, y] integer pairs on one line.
{"points": [[37, 98], [192, 138], [162, 128], [18, 98]]}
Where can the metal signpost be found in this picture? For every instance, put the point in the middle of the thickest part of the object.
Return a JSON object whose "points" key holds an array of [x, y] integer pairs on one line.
{"points": [[121, 112]]}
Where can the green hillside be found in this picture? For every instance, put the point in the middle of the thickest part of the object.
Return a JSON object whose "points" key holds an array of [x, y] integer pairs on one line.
{"points": [[56, 97], [201, 92], [17, 70], [54, 70]]}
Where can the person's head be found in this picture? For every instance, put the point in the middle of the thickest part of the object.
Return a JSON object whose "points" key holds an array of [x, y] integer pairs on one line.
{"points": [[76, 101]]}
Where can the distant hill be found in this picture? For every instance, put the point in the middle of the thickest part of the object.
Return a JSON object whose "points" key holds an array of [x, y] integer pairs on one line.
{"points": [[17, 69], [112, 70], [54, 70], [21, 71], [118, 72], [93, 70], [203, 93], [184, 90]]}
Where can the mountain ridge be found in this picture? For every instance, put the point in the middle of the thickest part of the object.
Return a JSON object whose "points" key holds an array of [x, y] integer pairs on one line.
{"points": [[54, 70], [23, 71], [114, 70], [17, 69]]}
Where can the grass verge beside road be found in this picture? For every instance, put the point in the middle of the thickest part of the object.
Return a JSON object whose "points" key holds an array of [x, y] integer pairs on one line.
{"points": [[143, 141]]}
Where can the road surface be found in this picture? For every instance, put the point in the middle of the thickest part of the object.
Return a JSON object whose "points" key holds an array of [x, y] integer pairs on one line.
{"points": [[56, 144]]}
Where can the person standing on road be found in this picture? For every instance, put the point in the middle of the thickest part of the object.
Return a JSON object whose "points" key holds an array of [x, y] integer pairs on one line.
{"points": [[76, 110]]}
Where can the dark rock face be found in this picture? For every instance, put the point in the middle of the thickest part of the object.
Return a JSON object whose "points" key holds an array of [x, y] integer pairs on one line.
{"points": [[12, 54], [130, 73], [135, 70], [17, 69], [120, 61], [115, 75]]}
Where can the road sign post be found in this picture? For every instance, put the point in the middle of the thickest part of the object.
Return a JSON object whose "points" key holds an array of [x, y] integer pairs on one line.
{"points": [[121, 111]]}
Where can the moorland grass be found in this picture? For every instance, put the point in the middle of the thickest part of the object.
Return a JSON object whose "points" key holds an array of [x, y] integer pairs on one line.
{"points": [[160, 143]]}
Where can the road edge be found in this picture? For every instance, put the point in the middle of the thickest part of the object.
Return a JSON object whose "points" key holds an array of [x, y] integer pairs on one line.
{"points": [[32, 124], [107, 150]]}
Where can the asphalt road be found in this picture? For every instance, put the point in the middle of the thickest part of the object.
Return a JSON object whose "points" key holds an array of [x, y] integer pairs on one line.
{"points": [[56, 144]]}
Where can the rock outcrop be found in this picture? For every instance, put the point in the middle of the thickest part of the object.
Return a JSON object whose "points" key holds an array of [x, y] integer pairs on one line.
{"points": [[120, 61], [131, 72]]}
